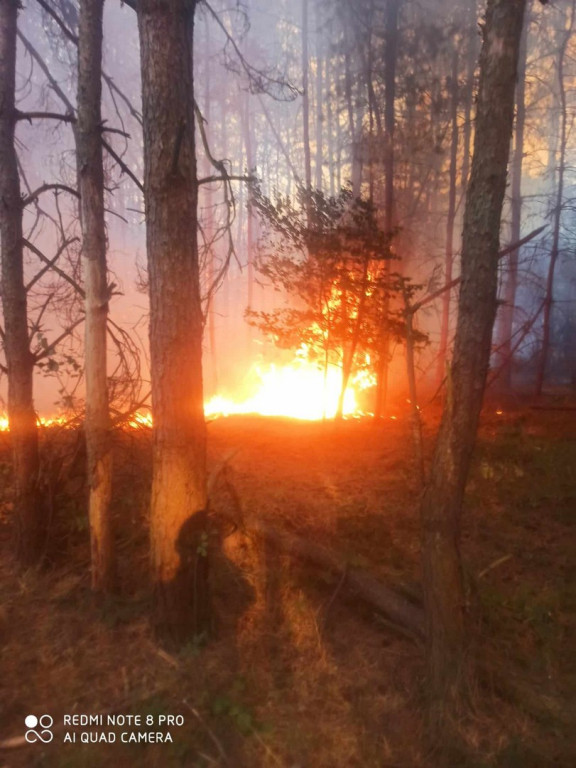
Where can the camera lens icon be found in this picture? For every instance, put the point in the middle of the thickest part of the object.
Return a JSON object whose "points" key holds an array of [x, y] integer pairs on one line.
{"points": [[39, 729]]}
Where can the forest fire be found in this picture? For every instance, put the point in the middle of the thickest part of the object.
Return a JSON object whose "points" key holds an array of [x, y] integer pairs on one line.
{"points": [[299, 390], [42, 421]]}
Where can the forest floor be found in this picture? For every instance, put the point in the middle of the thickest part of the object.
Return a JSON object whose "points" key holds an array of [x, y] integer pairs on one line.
{"points": [[297, 673]]}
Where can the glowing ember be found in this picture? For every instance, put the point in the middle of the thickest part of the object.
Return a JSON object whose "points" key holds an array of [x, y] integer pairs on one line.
{"points": [[140, 420]]}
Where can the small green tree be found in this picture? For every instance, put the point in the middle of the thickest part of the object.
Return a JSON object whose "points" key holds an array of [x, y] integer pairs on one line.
{"points": [[330, 256]]}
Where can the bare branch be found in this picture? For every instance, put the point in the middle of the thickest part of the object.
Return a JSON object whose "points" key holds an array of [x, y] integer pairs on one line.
{"points": [[52, 346], [53, 266], [66, 101], [453, 283], [51, 12], [51, 263], [29, 116], [230, 177], [46, 188], [257, 79], [36, 324], [122, 165]]}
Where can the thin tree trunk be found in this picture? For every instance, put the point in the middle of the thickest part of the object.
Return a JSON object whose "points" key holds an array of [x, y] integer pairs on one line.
{"points": [[415, 419], [178, 506], [306, 102], [30, 524], [507, 311], [330, 128], [450, 218], [319, 112], [549, 295], [469, 92], [250, 236], [209, 222], [91, 189], [390, 62], [441, 506], [349, 354]]}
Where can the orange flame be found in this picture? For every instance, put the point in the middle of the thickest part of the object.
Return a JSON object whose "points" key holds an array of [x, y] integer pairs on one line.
{"points": [[299, 390]]}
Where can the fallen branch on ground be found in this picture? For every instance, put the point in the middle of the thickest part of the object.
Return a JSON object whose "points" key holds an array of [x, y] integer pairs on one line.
{"points": [[398, 610]]}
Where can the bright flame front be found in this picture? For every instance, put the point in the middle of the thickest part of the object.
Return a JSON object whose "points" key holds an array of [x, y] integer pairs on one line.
{"points": [[299, 390]]}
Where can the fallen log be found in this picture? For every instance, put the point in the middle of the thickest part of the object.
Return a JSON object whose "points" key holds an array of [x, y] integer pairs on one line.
{"points": [[407, 616]]}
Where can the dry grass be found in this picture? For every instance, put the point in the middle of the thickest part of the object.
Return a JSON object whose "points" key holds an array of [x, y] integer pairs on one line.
{"points": [[292, 678]]}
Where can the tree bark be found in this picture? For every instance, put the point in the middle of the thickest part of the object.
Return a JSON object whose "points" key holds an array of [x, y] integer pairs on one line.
{"points": [[178, 505], [441, 506], [30, 523], [91, 189]]}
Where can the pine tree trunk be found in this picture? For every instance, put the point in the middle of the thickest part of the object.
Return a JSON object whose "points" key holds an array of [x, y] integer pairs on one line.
{"points": [[441, 507], [91, 188], [30, 523], [178, 505]]}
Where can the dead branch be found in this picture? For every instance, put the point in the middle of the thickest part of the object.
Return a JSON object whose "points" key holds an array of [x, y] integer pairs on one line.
{"points": [[495, 564], [209, 731], [49, 262], [33, 196], [228, 177], [122, 165], [52, 346], [395, 607], [39, 275], [29, 116]]}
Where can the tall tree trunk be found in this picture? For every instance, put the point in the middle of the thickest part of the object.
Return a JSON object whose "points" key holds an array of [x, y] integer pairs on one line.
{"points": [[330, 128], [30, 524], [91, 188], [557, 214], [208, 199], [250, 235], [441, 506], [507, 311], [306, 101], [390, 62], [178, 505], [472, 33], [451, 217], [318, 170]]}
